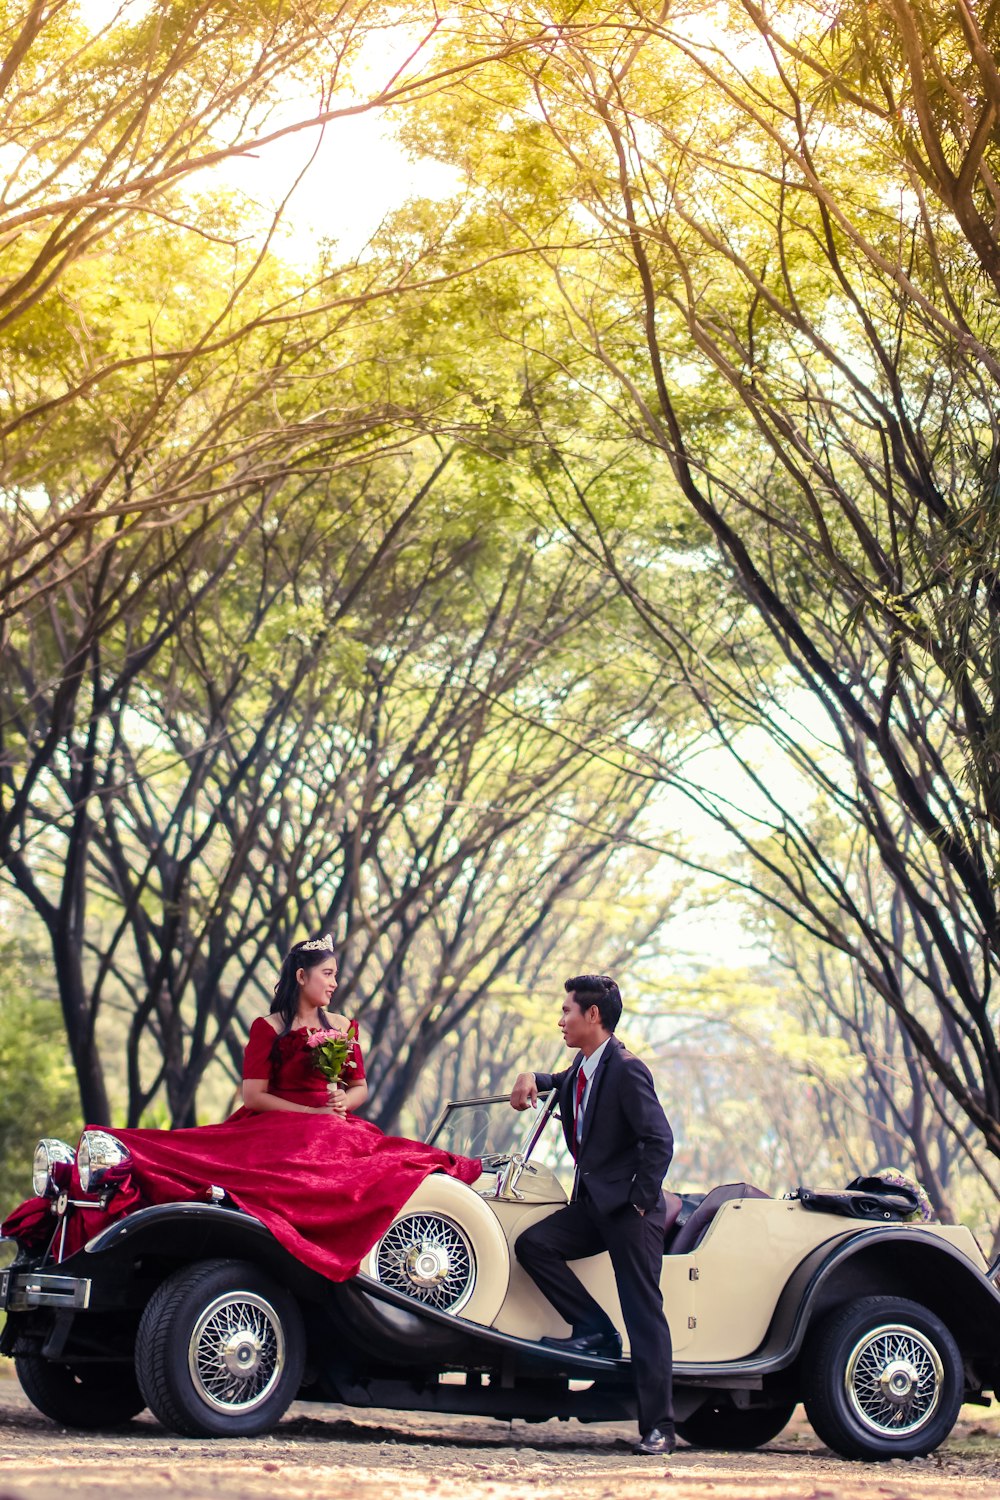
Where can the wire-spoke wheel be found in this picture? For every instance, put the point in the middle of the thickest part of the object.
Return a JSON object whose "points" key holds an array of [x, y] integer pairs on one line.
{"points": [[883, 1379], [237, 1352], [428, 1257], [893, 1379], [220, 1350]]}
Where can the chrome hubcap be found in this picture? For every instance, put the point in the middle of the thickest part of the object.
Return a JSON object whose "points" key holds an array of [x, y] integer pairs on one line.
{"points": [[893, 1380], [236, 1353], [241, 1353], [429, 1258], [428, 1264], [898, 1381]]}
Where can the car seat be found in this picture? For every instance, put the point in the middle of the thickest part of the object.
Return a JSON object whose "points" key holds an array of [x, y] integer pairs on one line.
{"points": [[673, 1203], [691, 1233]]}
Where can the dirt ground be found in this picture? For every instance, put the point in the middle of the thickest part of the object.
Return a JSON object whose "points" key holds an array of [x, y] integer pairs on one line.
{"points": [[333, 1453]]}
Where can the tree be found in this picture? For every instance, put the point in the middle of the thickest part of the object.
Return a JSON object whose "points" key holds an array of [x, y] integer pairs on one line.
{"points": [[109, 609], [755, 1094], [903, 1110], [107, 177], [145, 336], [279, 709], [772, 298], [364, 777], [39, 1094]]}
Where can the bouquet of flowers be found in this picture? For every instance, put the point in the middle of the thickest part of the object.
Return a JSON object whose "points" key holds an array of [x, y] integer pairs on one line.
{"points": [[329, 1052], [895, 1177]]}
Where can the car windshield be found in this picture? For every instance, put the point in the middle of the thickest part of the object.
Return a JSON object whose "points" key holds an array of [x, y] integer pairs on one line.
{"points": [[486, 1127]]}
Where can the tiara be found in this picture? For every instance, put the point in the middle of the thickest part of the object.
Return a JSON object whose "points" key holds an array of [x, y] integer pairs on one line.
{"points": [[317, 945]]}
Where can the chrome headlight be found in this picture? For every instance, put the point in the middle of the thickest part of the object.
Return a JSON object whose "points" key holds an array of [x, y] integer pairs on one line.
{"points": [[51, 1167], [103, 1162]]}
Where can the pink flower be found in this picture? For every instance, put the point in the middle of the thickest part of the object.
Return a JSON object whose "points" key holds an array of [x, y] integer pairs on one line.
{"points": [[329, 1050], [320, 1038]]}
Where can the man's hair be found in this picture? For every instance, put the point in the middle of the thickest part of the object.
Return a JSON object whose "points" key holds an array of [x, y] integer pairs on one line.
{"points": [[599, 990]]}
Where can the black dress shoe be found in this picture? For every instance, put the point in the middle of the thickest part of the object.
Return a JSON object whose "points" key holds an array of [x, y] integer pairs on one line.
{"points": [[656, 1442], [608, 1345]]}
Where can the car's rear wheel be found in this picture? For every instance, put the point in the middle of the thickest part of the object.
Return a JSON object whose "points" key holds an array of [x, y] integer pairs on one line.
{"points": [[220, 1351], [882, 1379], [719, 1424], [91, 1396]]}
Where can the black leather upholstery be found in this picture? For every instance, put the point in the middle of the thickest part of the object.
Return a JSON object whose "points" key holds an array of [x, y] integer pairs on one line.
{"points": [[691, 1233], [674, 1203]]}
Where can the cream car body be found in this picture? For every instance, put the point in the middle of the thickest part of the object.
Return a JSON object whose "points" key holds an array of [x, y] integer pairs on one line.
{"points": [[720, 1298]]}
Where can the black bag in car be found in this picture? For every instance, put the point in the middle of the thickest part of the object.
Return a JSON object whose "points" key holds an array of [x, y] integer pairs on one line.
{"points": [[864, 1198]]}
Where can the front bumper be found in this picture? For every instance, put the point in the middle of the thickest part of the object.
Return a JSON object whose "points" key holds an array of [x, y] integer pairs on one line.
{"points": [[20, 1291]]}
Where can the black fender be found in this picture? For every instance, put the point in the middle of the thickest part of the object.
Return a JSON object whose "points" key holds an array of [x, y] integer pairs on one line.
{"points": [[897, 1262], [900, 1261], [130, 1258], [374, 1325]]}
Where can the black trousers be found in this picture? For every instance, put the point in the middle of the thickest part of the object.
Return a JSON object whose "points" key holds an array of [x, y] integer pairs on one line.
{"points": [[635, 1244]]}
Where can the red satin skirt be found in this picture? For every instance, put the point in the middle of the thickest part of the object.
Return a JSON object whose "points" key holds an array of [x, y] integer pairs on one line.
{"points": [[326, 1187]]}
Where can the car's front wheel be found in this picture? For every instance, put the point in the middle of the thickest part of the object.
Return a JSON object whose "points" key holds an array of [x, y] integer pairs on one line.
{"points": [[720, 1424], [882, 1379], [91, 1396], [220, 1351]]}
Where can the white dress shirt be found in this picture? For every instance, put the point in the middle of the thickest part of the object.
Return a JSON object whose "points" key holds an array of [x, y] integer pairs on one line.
{"points": [[588, 1068]]}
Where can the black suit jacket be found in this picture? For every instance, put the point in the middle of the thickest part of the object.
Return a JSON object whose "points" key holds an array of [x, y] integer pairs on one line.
{"points": [[627, 1143]]}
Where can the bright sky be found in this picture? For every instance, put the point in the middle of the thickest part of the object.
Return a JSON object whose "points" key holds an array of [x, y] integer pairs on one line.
{"points": [[359, 174], [360, 171]]}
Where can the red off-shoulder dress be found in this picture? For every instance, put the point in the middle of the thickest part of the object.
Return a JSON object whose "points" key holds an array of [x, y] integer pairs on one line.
{"points": [[286, 1063], [326, 1186]]}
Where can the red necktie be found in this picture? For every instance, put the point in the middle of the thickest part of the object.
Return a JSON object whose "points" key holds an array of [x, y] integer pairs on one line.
{"points": [[581, 1084]]}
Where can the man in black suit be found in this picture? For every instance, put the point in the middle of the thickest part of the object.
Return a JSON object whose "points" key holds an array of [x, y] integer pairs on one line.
{"points": [[617, 1131]]}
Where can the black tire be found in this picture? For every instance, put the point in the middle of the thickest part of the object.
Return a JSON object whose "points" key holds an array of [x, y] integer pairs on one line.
{"points": [[882, 1378], [90, 1396], [720, 1424], [220, 1351]]}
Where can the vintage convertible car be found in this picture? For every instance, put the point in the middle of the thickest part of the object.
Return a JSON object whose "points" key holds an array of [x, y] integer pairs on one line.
{"points": [[883, 1328]]}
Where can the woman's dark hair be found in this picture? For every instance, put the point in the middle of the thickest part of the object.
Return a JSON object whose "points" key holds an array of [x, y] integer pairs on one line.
{"points": [[304, 955], [599, 990]]}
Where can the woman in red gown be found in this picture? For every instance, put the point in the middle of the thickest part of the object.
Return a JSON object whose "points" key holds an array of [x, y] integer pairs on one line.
{"points": [[325, 1183]]}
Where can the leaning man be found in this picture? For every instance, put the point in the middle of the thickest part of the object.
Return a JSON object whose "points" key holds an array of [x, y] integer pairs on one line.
{"points": [[621, 1141]]}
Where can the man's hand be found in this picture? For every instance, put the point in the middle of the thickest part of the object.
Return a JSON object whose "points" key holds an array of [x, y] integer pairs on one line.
{"points": [[524, 1094]]}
